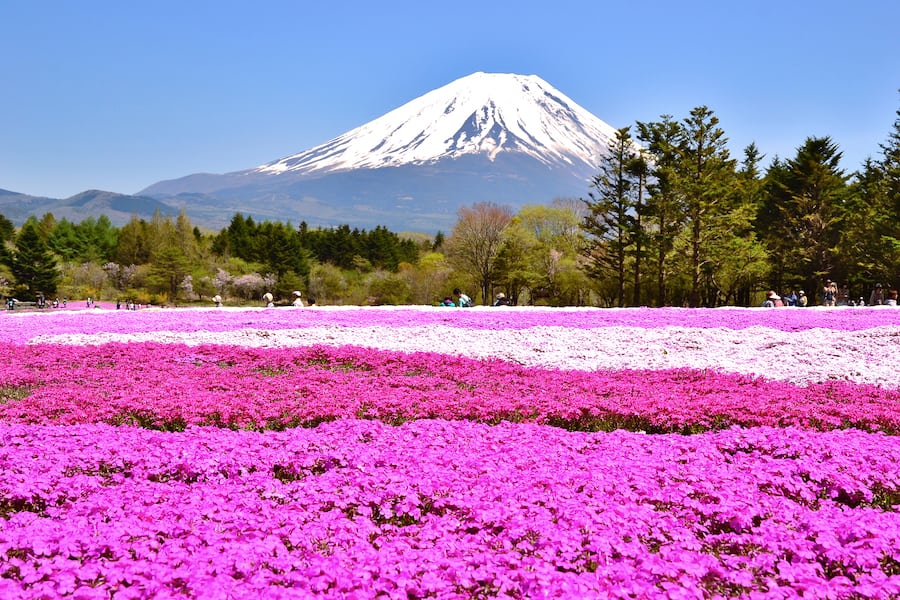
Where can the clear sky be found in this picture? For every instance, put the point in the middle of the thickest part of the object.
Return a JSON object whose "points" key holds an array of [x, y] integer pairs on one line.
{"points": [[116, 95]]}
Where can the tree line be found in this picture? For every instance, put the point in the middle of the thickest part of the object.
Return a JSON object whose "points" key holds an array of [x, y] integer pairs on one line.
{"points": [[670, 218], [673, 219], [167, 260]]}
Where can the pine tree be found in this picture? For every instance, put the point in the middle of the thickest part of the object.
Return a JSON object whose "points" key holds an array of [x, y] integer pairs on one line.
{"points": [[7, 234], [610, 223], [887, 224], [133, 245], [868, 241], [665, 207], [7, 229], [34, 266], [639, 169], [706, 176], [808, 196]]}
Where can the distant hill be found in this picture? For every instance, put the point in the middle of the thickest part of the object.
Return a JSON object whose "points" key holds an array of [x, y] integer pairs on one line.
{"points": [[92, 203]]}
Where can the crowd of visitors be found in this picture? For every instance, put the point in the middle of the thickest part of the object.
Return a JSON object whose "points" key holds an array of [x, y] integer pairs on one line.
{"points": [[833, 295]]}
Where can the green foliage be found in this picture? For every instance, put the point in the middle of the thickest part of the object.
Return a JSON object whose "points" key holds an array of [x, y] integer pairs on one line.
{"points": [[343, 247], [90, 240], [706, 174], [275, 246], [538, 260], [133, 247], [327, 284], [476, 241], [804, 213], [7, 230], [429, 278], [387, 288], [611, 223], [33, 265], [665, 204], [287, 283]]}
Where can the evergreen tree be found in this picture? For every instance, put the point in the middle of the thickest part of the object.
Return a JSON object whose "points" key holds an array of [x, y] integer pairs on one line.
{"points": [[34, 266], [807, 198], [7, 229], [102, 237], [887, 222], [235, 240], [277, 246], [133, 245], [168, 269], [639, 170], [610, 223], [890, 167], [706, 176], [172, 247], [66, 242], [751, 195], [869, 233], [665, 207]]}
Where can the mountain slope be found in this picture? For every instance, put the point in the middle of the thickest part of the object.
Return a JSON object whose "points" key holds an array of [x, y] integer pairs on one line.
{"points": [[510, 139]]}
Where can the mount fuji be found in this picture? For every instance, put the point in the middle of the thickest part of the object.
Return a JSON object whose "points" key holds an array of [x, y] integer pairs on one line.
{"points": [[487, 137]]}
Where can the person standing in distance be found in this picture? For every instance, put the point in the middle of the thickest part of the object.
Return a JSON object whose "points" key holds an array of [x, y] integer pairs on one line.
{"points": [[877, 295]]}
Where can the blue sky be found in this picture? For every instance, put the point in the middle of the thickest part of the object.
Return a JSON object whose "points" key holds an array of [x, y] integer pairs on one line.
{"points": [[117, 95]]}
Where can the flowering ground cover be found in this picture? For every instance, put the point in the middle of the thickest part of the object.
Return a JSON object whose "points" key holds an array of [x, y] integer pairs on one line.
{"points": [[420, 452], [171, 386]]}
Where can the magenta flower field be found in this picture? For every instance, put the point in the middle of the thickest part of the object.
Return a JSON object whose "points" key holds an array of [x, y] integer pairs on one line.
{"points": [[425, 452]]}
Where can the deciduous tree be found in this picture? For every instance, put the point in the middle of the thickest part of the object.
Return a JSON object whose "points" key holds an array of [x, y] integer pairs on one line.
{"points": [[476, 240]]}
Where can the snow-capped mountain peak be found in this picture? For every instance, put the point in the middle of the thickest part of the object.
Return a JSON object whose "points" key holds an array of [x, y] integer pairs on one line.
{"points": [[483, 113]]}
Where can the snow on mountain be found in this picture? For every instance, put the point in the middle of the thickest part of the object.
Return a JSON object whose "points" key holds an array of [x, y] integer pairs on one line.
{"points": [[483, 113]]}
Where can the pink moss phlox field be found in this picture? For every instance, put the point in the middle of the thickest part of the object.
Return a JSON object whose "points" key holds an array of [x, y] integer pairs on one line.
{"points": [[317, 466], [446, 509], [170, 386], [21, 327]]}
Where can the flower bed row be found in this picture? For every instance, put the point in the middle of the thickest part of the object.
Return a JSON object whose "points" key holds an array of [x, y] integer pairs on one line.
{"points": [[810, 356], [170, 386], [20, 328], [446, 509]]}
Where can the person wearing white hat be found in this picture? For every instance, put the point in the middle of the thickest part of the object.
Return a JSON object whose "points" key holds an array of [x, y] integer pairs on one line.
{"points": [[269, 299], [772, 300], [297, 301]]}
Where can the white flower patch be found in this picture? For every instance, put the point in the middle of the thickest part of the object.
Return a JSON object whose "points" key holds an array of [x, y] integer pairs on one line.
{"points": [[802, 357]]}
